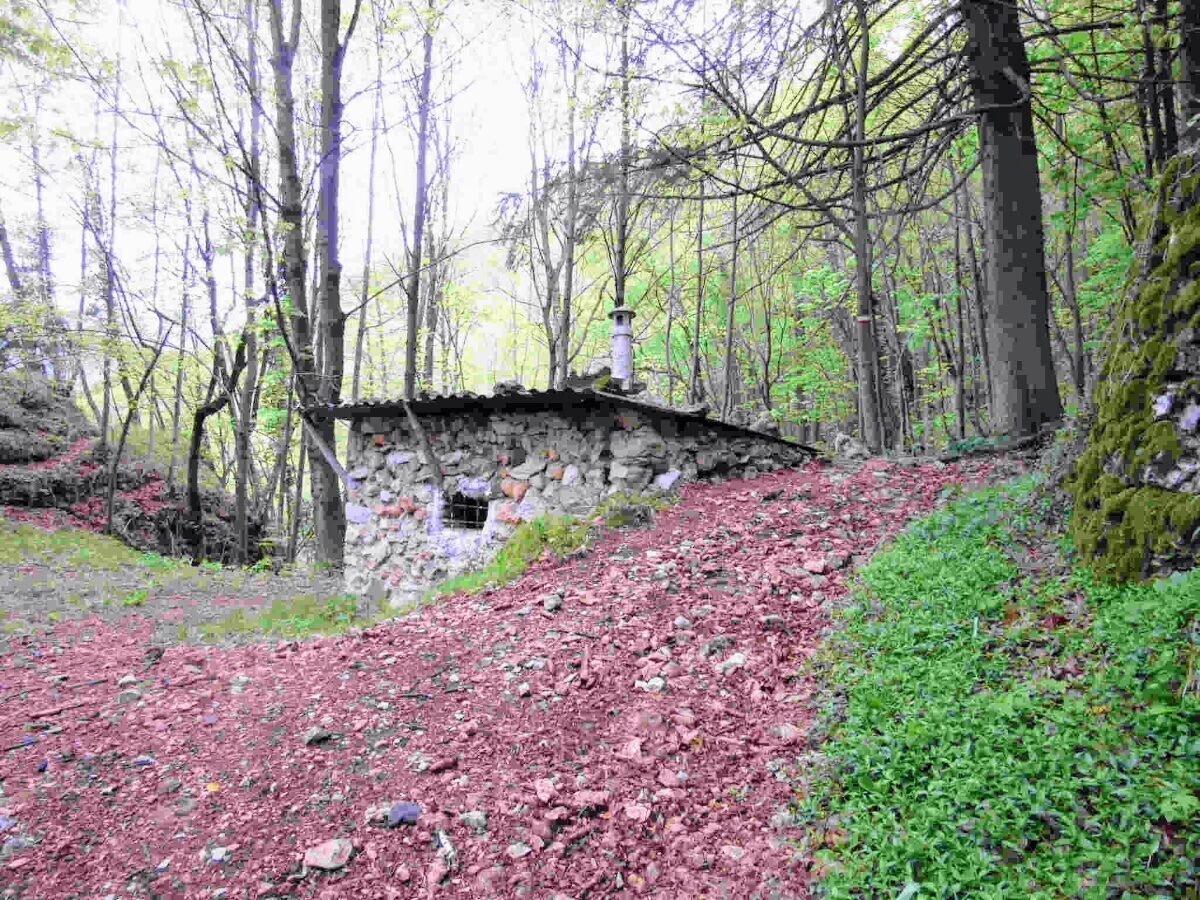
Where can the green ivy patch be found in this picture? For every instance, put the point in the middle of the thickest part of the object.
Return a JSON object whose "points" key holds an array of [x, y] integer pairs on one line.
{"points": [[1009, 735]]}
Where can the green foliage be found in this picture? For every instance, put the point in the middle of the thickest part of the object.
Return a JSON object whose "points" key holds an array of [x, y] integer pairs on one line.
{"points": [[1007, 736], [972, 444], [135, 598], [297, 616]]}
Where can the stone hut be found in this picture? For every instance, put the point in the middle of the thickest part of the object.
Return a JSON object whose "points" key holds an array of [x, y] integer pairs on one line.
{"points": [[509, 457]]}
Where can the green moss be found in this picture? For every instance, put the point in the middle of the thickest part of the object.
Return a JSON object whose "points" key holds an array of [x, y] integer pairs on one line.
{"points": [[1119, 527], [558, 535]]}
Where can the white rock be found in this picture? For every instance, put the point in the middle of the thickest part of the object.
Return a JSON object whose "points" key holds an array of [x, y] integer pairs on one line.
{"points": [[737, 661]]}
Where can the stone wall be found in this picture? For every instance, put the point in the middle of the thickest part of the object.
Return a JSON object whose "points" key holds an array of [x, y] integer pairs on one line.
{"points": [[1137, 483], [523, 464]]}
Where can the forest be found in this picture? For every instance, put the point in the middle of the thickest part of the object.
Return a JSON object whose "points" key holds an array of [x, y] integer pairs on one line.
{"points": [[905, 221], [600, 448]]}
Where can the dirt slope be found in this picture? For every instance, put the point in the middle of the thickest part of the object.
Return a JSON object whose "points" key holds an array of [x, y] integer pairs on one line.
{"points": [[624, 723]]}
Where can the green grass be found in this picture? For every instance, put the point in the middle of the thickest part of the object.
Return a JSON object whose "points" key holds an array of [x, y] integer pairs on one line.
{"points": [[297, 616], [74, 548], [135, 598], [1008, 736], [27, 544]]}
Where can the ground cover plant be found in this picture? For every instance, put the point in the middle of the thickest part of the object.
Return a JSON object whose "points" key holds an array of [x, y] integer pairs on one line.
{"points": [[1009, 726]]}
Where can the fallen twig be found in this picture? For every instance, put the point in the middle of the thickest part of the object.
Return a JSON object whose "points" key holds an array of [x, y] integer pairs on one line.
{"points": [[55, 710]]}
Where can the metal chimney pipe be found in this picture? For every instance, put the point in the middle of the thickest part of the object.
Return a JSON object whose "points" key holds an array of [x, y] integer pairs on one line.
{"points": [[622, 346]]}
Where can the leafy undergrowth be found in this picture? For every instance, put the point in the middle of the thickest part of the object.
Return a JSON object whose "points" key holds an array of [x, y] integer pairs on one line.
{"points": [[1009, 730], [622, 721]]}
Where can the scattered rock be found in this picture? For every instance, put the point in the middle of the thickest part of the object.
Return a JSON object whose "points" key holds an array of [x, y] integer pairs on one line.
{"points": [[315, 735], [552, 602], [772, 622], [403, 813], [329, 855], [815, 565], [590, 799], [126, 681], [545, 790], [217, 855], [518, 850], [237, 684], [475, 819], [715, 645], [132, 695], [443, 765], [838, 560], [787, 733], [736, 661], [637, 812]]}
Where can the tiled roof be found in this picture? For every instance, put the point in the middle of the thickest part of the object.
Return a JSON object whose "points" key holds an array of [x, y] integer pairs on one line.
{"points": [[426, 403]]}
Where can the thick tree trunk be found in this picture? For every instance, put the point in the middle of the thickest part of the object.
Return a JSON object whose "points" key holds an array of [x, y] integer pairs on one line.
{"points": [[330, 515], [1025, 394], [194, 528]]}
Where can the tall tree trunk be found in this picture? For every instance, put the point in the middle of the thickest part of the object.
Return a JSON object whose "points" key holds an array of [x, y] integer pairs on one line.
{"points": [[571, 238], [731, 369], [694, 374], [246, 406], [220, 391], [868, 355], [1025, 384], [671, 300], [184, 325], [365, 293], [315, 383], [413, 286]]}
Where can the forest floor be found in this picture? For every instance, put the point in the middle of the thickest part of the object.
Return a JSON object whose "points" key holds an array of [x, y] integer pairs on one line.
{"points": [[629, 720]]}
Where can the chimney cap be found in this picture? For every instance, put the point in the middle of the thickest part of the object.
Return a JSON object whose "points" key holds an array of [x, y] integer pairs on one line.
{"points": [[617, 310]]}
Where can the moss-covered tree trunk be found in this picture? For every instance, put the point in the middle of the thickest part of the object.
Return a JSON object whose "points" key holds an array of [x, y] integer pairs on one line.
{"points": [[1137, 483]]}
